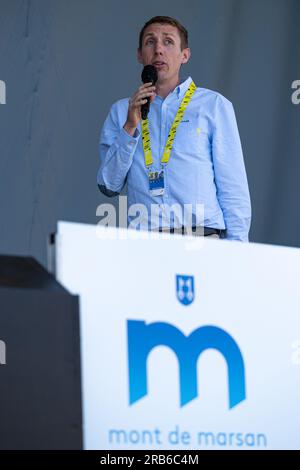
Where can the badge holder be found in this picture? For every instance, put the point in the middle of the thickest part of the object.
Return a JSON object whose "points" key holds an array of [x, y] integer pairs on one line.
{"points": [[156, 183]]}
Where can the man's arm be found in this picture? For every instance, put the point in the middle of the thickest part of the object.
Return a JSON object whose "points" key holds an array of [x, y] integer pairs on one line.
{"points": [[118, 140], [230, 174], [116, 149]]}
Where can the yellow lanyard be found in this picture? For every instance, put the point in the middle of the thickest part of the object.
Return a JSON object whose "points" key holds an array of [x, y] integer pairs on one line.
{"points": [[146, 132]]}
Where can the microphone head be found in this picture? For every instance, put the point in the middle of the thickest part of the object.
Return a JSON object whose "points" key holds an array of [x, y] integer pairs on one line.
{"points": [[149, 74]]}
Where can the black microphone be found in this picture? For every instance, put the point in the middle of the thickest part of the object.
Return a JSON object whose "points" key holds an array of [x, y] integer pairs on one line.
{"points": [[149, 74]]}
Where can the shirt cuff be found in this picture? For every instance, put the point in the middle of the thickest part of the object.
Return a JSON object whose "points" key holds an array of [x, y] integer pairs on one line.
{"points": [[128, 142]]}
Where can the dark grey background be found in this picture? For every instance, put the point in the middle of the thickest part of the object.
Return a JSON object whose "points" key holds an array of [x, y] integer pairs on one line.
{"points": [[66, 61]]}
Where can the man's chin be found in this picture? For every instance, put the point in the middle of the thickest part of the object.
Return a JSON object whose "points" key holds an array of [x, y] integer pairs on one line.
{"points": [[161, 75]]}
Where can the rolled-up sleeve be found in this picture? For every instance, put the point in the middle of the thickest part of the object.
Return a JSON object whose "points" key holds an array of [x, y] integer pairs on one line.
{"points": [[116, 150], [230, 174]]}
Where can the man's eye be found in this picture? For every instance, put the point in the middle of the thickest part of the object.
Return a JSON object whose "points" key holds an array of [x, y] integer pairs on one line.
{"points": [[169, 41]]}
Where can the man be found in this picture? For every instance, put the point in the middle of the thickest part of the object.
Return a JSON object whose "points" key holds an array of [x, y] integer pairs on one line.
{"points": [[204, 167]]}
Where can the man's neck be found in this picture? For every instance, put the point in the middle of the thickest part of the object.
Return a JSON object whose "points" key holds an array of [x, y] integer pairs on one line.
{"points": [[164, 88]]}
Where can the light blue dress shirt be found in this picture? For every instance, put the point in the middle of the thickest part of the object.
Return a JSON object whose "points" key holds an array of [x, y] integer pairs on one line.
{"points": [[206, 165]]}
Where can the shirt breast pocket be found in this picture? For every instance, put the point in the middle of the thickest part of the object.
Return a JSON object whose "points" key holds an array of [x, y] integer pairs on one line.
{"points": [[191, 140]]}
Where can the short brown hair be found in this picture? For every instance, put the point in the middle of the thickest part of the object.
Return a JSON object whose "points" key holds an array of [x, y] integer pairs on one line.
{"points": [[166, 20]]}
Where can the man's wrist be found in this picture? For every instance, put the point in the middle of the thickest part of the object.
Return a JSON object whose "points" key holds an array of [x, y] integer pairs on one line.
{"points": [[129, 129]]}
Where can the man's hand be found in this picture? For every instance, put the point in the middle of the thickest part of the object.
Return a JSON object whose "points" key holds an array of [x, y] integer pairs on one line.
{"points": [[134, 115]]}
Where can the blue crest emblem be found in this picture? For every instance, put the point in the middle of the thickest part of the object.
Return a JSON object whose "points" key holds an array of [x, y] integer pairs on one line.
{"points": [[185, 289]]}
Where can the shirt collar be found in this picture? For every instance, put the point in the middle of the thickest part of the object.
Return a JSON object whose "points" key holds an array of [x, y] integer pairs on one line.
{"points": [[180, 89], [183, 86]]}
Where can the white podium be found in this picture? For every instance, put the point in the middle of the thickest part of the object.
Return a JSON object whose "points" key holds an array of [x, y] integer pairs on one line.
{"points": [[185, 343]]}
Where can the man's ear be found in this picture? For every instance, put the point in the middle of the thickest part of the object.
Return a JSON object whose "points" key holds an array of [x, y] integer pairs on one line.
{"points": [[186, 54], [139, 55]]}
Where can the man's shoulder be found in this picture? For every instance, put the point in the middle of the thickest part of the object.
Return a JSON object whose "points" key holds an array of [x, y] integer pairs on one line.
{"points": [[120, 104], [118, 111], [211, 96]]}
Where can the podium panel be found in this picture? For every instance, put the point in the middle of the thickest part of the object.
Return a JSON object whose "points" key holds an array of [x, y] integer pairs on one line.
{"points": [[185, 343]]}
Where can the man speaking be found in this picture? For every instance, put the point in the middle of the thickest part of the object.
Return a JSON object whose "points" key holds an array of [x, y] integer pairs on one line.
{"points": [[184, 153]]}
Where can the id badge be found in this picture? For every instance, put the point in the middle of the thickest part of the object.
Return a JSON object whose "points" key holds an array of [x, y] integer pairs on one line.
{"points": [[156, 183]]}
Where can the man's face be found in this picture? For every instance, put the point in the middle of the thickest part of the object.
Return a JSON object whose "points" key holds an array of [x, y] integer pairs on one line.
{"points": [[161, 47]]}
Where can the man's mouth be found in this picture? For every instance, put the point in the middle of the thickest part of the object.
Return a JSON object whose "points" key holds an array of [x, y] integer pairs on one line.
{"points": [[158, 64]]}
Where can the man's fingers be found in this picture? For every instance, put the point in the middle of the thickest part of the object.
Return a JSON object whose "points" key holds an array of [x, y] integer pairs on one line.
{"points": [[146, 85], [145, 94], [141, 96]]}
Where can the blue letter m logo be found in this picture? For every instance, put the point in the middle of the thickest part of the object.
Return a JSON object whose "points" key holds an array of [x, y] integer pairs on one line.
{"points": [[143, 338]]}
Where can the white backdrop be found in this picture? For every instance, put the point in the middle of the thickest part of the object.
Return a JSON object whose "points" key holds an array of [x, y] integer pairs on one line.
{"points": [[250, 291]]}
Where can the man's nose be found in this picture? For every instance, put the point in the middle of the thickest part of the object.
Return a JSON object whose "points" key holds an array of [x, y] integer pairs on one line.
{"points": [[158, 47]]}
